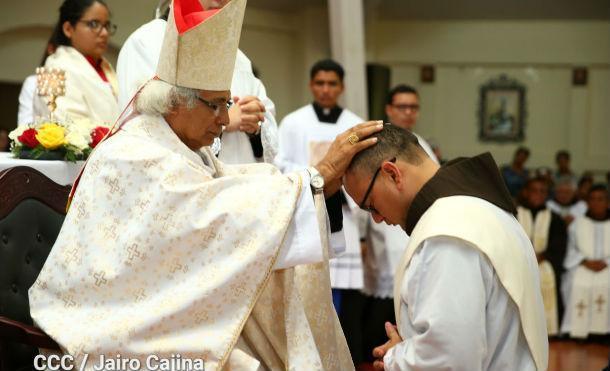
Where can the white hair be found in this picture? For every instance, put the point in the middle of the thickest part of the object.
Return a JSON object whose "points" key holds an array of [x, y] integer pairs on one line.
{"points": [[566, 180], [159, 98]]}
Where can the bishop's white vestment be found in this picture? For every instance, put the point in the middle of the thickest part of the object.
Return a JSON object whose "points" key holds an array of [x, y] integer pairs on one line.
{"points": [[586, 292], [168, 251], [304, 140], [137, 64]]}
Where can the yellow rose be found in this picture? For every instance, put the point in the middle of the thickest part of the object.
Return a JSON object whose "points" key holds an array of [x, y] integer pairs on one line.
{"points": [[51, 136]]}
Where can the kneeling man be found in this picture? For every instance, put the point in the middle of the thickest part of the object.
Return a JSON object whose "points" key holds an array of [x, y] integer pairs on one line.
{"points": [[467, 291]]}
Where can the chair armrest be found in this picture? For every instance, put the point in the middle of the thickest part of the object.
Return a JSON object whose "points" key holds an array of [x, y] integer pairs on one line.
{"points": [[15, 331]]}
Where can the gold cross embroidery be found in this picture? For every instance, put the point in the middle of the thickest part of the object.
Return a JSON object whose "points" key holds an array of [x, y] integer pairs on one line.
{"points": [[175, 266], [143, 204], [99, 278], [114, 185], [600, 303], [133, 253], [81, 211], [68, 301], [581, 307], [140, 295], [110, 232], [72, 255]]}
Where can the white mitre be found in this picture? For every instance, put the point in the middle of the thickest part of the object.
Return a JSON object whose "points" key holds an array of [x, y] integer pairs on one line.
{"points": [[194, 35]]}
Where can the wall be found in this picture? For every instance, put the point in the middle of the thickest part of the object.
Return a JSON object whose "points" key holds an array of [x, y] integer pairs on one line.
{"points": [[281, 44], [539, 54]]}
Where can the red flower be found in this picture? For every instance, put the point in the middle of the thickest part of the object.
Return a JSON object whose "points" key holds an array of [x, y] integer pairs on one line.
{"points": [[98, 134], [28, 138]]}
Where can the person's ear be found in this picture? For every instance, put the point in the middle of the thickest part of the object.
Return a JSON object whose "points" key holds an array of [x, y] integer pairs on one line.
{"points": [[393, 171], [388, 108], [68, 29]]}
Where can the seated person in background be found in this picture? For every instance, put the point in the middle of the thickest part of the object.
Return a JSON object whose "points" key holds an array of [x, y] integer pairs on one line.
{"points": [[515, 175], [584, 185], [25, 114], [586, 284], [81, 36], [547, 231], [546, 174], [565, 202]]}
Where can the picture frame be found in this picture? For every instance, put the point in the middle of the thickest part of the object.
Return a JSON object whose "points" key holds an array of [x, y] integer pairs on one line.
{"points": [[502, 110], [580, 76], [427, 74]]}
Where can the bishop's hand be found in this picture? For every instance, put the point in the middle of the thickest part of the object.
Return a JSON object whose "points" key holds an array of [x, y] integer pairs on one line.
{"points": [[342, 150]]}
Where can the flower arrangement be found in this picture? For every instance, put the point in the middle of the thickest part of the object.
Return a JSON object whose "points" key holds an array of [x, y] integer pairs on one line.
{"points": [[50, 140]]}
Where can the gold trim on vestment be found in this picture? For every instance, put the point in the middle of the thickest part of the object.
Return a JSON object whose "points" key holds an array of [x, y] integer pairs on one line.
{"points": [[260, 287]]}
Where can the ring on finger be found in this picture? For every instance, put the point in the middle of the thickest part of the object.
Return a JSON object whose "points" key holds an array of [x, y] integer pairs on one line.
{"points": [[353, 138]]}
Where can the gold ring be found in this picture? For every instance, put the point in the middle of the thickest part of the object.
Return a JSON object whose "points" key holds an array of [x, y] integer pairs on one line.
{"points": [[353, 138]]}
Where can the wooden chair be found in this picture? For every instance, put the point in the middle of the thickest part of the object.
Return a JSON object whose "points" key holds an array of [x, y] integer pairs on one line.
{"points": [[32, 210]]}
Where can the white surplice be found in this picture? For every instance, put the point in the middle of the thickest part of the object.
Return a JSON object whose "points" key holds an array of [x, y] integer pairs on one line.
{"points": [[385, 245], [426, 146], [537, 229], [465, 297], [304, 141], [576, 209], [87, 95], [137, 64], [165, 250], [585, 292]]}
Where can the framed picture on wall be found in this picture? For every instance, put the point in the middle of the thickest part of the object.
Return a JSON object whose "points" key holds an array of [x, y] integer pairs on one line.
{"points": [[502, 110]]}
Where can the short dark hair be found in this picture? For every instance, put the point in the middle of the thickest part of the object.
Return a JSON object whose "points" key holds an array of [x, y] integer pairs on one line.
{"points": [[392, 141], [400, 89], [537, 179], [562, 153], [586, 178], [524, 150], [327, 65], [70, 11], [599, 187]]}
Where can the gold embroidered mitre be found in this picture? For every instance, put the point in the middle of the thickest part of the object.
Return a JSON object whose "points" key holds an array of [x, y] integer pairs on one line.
{"points": [[200, 46]]}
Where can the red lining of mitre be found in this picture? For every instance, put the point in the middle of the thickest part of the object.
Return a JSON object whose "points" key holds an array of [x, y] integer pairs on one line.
{"points": [[189, 14]]}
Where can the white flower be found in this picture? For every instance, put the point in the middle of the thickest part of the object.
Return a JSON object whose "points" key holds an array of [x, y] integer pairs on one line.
{"points": [[81, 127], [13, 135], [77, 140]]}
